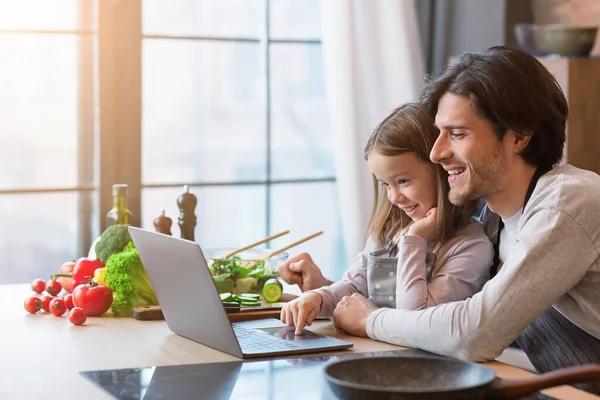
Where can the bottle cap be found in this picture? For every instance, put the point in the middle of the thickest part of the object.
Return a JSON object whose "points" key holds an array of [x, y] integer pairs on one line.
{"points": [[119, 189]]}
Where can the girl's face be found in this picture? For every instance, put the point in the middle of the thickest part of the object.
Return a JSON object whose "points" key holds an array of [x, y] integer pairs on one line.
{"points": [[410, 182]]}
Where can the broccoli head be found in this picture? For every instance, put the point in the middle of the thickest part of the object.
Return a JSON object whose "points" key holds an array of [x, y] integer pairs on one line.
{"points": [[126, 277], [113, 240]]}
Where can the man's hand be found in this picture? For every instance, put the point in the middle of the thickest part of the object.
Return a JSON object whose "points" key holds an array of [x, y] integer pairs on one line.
{"points": [[301, 311], [302, 270], [426, 227], [351, 314]]}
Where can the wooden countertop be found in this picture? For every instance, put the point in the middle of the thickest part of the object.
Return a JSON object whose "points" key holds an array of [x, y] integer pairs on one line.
{"points": [[41, 355]]}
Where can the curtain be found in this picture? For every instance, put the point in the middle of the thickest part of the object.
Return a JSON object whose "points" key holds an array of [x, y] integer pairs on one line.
{"points": [[373, 63]]}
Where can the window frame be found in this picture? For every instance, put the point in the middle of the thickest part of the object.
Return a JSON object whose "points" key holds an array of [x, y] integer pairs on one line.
{"points": [[265, 41]]}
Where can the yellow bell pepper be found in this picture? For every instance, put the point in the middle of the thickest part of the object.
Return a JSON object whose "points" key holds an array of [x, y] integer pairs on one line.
{"points": [[99, 275]]}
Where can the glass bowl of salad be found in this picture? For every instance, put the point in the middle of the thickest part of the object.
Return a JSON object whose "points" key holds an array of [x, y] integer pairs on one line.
{"points": [[242, 273]]}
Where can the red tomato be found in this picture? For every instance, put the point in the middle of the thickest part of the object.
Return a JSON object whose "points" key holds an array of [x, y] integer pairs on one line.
{"points": [[33, 305], [53, 287], [95, 300], [66, 268], [38, 285], [46, 303], [77, 316], [57, 307], [68, 299]]}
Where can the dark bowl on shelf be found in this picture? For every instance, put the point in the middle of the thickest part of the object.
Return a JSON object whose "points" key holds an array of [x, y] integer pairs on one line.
{"points": [[532, 39], [570, 41]]}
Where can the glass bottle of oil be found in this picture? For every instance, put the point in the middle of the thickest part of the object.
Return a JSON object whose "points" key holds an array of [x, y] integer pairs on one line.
{"points": [[119, 214]]}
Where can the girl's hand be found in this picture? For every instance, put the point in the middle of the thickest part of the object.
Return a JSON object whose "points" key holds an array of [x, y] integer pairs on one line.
{"points": [[426, 227], [301, 311]]}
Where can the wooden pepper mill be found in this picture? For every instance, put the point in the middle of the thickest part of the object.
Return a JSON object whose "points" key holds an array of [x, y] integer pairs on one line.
{"points": [[162, 223], [187, 218]]}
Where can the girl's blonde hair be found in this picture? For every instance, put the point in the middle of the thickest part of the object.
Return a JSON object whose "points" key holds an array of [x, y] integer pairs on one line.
{"points": [[410, 129]]}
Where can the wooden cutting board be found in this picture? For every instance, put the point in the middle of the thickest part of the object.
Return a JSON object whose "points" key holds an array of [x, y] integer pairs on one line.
{"points": [[267, 310]]}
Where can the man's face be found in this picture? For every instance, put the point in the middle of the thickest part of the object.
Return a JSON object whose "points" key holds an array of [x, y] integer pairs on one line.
{"points": [[468, 148]]}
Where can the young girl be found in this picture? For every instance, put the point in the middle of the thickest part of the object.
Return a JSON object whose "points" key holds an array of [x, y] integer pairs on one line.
{"points": [[421, 250]]}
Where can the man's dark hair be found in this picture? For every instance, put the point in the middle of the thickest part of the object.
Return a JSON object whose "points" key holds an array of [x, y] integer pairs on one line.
{"points": [[512, 90]]}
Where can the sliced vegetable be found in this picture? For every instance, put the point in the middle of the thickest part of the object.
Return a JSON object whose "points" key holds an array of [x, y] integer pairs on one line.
{"points": [[246, 301], [249, 303], [250, 295], [226, 297], [272, 290]]}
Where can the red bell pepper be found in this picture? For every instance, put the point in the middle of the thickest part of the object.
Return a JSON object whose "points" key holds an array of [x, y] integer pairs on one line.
{"points": [[83, 271]]}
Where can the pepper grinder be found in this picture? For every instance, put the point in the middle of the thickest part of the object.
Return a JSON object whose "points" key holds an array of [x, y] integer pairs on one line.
{"points": [[162, 223], [187, 218]]}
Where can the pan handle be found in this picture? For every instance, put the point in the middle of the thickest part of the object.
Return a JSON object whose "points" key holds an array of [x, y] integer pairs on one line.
{"points": [[516, 388]]}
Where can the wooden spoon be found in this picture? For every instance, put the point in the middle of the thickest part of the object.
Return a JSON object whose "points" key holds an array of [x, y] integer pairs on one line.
{"points": [[289, 246], [234, 252]]}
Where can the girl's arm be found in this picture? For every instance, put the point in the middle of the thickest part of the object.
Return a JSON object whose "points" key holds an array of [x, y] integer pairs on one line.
{"points": [[463, 272], [353, 281]]}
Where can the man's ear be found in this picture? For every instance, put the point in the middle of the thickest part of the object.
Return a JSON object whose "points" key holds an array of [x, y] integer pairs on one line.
{"points": [[519, 141]]}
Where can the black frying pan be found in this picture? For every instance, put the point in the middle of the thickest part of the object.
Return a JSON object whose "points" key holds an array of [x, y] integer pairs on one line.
{"points": [[413, 378]]}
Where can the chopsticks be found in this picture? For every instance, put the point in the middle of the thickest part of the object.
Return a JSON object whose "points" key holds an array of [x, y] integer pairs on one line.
{"points": [[289, 246], [234, 252]]}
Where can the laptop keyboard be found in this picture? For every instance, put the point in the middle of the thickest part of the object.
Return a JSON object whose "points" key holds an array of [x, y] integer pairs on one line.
{"points": [[254, 341]]}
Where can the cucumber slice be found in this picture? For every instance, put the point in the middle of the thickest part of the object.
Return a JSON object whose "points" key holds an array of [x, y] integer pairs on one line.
{"points": [[272, 290], [226, 297], [250, 303], [250, 295]]}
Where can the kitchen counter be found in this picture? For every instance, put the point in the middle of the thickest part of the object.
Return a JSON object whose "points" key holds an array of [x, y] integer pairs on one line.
{"points": [[41, 355]]}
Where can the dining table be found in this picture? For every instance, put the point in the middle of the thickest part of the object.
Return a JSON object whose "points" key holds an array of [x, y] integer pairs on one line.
{"points": [[42, 356]]}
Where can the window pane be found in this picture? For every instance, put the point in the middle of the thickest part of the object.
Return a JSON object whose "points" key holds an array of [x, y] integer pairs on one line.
{"points": [[221, 18], [38, 99], [203, 112], [39, 14], [39, 233], [293, 19], [301, 144], [226, 216], [305, 208]]}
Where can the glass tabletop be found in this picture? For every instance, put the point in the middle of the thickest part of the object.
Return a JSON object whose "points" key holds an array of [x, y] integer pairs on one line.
{"points": [[291, 378]]}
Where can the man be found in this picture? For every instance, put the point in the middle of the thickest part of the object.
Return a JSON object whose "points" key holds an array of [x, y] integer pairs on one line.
{"points": [[501, 117]]}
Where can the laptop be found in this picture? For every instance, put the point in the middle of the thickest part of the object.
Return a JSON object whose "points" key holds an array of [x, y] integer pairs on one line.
{"points": [[193, 309]]}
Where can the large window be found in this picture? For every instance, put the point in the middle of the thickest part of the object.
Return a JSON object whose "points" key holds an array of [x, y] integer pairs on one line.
{"points": [[47, 92], [234, 107], [230, 102]]}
